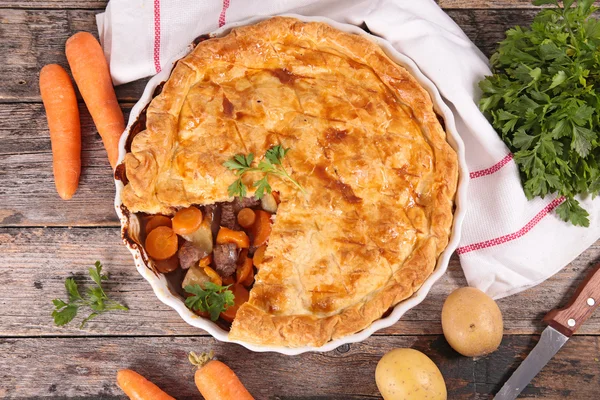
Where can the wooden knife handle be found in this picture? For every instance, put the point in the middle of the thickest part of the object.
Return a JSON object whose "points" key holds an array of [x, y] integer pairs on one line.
{"points": [[586, 298]]}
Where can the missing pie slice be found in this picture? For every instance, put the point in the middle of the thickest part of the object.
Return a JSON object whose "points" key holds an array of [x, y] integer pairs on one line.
{"points": [[379, 177]]}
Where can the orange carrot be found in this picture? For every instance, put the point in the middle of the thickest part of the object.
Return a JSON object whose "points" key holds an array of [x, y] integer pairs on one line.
{"points": [[187, 220], [156, 221], [246, 217], [239, 238], [91, 73], [62, 112], [244, 270], [216, 381], [168, 265], [136, 387], [240, 296], [161, 243], [213, 275], [259, 255], [262, 228]]}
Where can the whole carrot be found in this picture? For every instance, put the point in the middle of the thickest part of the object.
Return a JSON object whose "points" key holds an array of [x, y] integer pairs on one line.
{"points": [[91, 73], [136, 387], [62, 113], [216, 381]]}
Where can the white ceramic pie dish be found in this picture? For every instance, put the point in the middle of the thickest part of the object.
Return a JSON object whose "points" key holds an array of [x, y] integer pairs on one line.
{"points": [[130, 224]]}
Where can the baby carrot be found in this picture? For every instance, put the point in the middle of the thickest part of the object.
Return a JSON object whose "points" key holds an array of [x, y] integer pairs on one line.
{"points": [[136, 387], [62, 113], [216, 381], [91, 73]]}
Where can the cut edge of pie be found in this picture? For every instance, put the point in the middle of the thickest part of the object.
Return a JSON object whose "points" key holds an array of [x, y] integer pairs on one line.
{"points": [[163, 175]]}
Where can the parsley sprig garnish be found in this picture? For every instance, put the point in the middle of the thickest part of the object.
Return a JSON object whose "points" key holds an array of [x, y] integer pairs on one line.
{"points": [[272, 164], [210, 298], [94, 298], [544, 100]]}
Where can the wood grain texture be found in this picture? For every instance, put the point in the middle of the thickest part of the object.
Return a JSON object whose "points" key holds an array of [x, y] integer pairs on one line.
{"points": [[27, 193], [30, 39], [86, 368], [36, 261]]}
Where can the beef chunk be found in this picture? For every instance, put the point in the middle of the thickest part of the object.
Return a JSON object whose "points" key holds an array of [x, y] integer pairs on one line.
{"points": [[189, 255], [228, 217], [225, 257], [244, 202]]}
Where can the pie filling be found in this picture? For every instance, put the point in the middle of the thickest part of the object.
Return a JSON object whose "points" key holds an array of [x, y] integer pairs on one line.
{"points": [[223, 243]]}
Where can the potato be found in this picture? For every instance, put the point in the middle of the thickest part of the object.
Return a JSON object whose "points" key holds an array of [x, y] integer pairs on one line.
{"points": [[409, 374], [472, 322]]}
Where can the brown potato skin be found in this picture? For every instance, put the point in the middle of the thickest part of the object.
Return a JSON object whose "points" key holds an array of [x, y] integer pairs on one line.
{"points": [[472, 322]]}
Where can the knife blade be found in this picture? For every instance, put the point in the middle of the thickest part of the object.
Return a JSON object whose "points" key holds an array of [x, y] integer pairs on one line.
{"points": [[562, 323]]}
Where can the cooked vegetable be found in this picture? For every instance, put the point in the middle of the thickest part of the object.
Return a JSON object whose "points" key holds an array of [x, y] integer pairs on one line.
{"points": [[271, 165], [157, 220], [168, 265], [261, 230], [213, 275], [409, 374], [244, 270], [136, 387], [239, 238], [216, 381], [187, 220], [90, 71], [161, 243], [228, 280], [544, 101], [94, 298], [62, 113], [202, 237], [268, 203], [249, 279], [210, 298], [472, 322], [259, 255], [246, 217], [195, 276], [240, 296]]}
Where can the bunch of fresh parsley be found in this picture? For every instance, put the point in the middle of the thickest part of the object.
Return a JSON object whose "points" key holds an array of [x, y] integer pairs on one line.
{"points": [[210, 298], [94, 298], [272, 164], [544, 100]]}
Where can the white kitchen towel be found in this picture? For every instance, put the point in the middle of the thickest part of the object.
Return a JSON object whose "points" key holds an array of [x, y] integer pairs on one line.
{"points": [[508, 243]]}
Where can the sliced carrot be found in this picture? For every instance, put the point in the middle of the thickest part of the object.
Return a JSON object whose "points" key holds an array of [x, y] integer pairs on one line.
{"points": [[213, 275], [228, 280], [244, 270], [157, 220], [261, 228], [136, 387], [62, 113], [161, 243], [91, 73], [205, 262], [216, 381], [187, 220], [239, 238], [168, 265], [277, 197], [241, 296], [249, 279], [246, 217], [259, 255]]}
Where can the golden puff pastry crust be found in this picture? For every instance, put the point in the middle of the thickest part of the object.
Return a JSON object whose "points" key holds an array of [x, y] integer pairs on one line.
{"points": [[366, 145]]}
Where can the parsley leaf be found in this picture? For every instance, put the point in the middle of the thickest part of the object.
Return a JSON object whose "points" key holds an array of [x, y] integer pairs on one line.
{"points": [[271, 164], [211, 298], [96, 299], [544, 101]]}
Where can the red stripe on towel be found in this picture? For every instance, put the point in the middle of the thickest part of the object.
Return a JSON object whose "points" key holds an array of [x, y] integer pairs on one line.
{"points": [[507, 238], [494, 168], [223, 11], [157, 36]]}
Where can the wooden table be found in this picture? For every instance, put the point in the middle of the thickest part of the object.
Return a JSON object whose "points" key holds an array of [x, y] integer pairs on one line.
{"points": [[43, 240]]}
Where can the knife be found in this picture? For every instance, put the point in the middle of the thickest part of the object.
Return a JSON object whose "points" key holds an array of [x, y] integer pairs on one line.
{"points": [[562, 323]]}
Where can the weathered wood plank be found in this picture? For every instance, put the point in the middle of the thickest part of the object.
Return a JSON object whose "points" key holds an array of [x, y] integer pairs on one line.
{"points": [[86, 368], [30, 39], [100, 4], [27, 193], [34, 263]]}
